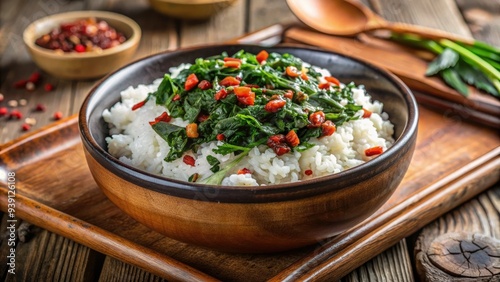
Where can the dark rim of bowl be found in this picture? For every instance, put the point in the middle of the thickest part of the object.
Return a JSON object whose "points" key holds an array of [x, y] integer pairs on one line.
{"points": [[256, 194]]}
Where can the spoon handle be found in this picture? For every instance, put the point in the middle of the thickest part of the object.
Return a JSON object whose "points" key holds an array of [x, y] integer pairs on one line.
{"points": [[426, 32]]}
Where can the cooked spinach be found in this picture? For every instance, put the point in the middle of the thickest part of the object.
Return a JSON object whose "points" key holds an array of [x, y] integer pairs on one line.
{"points": [[238, 112]]}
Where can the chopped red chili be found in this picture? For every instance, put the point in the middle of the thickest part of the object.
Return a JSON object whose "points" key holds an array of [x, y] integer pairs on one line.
{"points": [[262, 56], [40, 108], [292, 139], [35, 77], [366, 113], [308, 172], [377, 150], [15, 114], [230, 81], [163, 117], [191, 82], [292, 71], [232, 64], [278, 144], [333, 80], [202, 117], [244, 95], [220, 137], [327, 128], [274, 106], [176, 97], [316, 119], [138, 105], [221, 94], [189, 160], [244, 171], [204, 85], [230, 59]]}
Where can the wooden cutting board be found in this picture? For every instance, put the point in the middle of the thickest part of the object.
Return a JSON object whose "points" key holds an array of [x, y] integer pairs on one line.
{"points": [[410, 65]]}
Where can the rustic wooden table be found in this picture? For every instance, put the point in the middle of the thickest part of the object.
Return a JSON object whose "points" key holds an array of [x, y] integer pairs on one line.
{"points": [[45, 256]]}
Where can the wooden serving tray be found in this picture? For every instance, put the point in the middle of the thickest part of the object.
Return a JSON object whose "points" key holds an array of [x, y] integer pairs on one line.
{"points": [[454, 161]]}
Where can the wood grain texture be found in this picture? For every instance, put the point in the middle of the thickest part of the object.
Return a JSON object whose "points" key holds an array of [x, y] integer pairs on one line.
{"points": [[476, 221]]}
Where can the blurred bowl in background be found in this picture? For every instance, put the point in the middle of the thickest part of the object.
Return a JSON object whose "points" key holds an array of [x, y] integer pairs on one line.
{"points": [[86, 65], [190, 9]]}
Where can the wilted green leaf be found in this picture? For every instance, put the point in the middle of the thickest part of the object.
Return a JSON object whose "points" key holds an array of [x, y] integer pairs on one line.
{"points": [[444, 61]]}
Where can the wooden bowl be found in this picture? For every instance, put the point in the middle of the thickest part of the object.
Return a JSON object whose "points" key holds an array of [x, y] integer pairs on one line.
{"points": [[82, 65], [190, 9], [251, 219]]}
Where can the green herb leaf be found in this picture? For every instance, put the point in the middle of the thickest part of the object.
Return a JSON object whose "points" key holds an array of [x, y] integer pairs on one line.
{"points": [[176, 138], [445, 60], [452, 77], [474, 76]]}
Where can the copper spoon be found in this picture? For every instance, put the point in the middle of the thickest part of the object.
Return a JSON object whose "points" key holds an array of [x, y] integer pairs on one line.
{"points": [[351, 17]]}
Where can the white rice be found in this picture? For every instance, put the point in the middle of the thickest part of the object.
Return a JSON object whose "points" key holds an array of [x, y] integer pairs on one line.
{"points": [[134, 142]]}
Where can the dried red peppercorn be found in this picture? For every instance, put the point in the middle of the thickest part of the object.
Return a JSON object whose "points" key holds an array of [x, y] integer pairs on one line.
{"points": [[3, 111], [25, 127], [58, 115], [40, 108], [48, 87], [308, 172], [189, 160], [15, 114], [35, 77], [80, 48]]}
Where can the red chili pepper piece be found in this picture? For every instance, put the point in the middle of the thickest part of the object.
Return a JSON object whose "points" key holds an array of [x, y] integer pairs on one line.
{"points": [[221, 94], [138, 105], [292, 139], [191, 82], [377, 150], [244, 95], [262, 56], [189, 160], [278, 144], [3, 111], [327, 128], [292, 71], [202, 117], [333, 80], [274, 106], [304, 76], [232, 64], [204, 85], [288, 94], [163, 117], [230, 81], [244, 171], [308, 172], [324, 85], [316, 119], [25, 127], [220, 137], [58, 115], [176, 97], [366, 113]]}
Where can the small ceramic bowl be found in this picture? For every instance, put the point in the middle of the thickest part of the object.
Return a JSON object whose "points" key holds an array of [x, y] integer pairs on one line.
{"points": [[251, 219], [82, 65], [190, 9]]}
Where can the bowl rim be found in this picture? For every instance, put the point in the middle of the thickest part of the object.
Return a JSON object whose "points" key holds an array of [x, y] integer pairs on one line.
{"points": [[253, 194], [74, 15]]}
